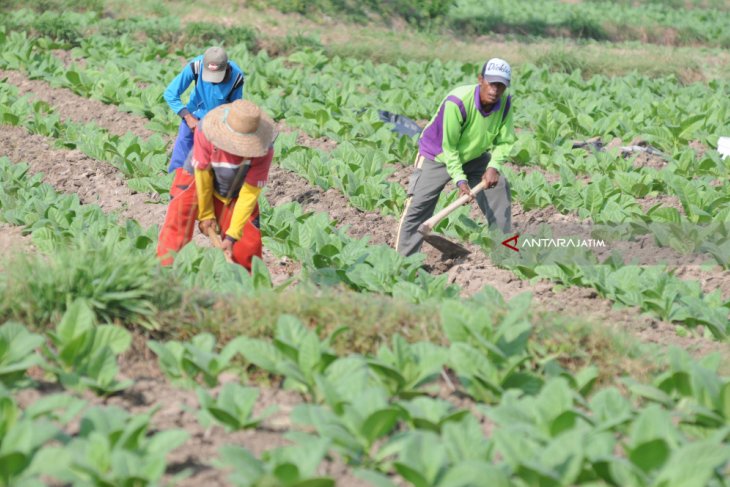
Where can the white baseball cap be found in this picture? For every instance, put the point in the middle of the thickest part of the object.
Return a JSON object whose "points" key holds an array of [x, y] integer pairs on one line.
{"points": [[497, 71], [215, 63]]}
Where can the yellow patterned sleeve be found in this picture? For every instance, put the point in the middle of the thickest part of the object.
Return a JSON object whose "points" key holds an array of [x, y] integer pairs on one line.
{"points": [[204, 188], [245, 205]]}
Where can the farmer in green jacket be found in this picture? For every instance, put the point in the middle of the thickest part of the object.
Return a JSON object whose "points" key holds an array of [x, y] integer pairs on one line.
{"points": [[468, 140]]}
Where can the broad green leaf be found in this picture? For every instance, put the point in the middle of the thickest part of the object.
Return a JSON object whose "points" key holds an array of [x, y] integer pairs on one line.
{"points": [[651, 455], [380, 423], [473, 472], [262, 354], [115, 337], [693, 465]]}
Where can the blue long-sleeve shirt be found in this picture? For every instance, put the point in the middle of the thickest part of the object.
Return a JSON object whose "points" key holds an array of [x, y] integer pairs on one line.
{"points": [[205, 96]]}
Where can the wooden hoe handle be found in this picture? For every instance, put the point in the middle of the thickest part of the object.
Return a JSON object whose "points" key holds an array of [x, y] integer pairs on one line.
{"points": [[427, 226], [215, 239]]}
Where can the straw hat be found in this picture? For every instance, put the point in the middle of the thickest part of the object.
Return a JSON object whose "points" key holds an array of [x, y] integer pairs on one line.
{"points": [[239, 128]]}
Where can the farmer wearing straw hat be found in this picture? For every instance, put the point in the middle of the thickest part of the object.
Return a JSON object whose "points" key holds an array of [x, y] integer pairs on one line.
{"points": [[232, 154], [468, 140], [217, 80]]}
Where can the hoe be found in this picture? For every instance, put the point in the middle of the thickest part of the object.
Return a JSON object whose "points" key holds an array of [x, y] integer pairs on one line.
{"points": [[448, 248]]}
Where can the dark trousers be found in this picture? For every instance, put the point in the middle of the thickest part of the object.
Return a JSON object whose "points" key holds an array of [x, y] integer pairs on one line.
{"points": [[426, 184]]}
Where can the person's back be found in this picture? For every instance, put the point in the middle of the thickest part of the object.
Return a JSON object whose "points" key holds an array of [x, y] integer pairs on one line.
{"points": [[206, 95], [217, 81]]}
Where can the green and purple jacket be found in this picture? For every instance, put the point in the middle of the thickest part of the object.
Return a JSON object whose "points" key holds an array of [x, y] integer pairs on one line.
{"points": [[462, 131]]}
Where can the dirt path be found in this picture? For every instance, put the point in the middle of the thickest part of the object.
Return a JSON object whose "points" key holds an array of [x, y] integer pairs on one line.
{"points": [[471, 273]]}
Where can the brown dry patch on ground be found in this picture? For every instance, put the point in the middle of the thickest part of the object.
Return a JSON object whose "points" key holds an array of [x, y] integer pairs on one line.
{"points": [[644, 159], [68, 58], [665, 200], [711, 280], [401, 175], [550, 177], [699, 148], [12, 240], [285, 186]]}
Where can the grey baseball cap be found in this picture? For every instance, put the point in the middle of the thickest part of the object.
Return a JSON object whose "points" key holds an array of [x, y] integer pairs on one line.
{"points": [[215, 63], [497, 71]]}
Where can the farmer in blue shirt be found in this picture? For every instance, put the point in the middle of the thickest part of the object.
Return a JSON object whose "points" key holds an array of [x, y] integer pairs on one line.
{"points": [[217, 81]]}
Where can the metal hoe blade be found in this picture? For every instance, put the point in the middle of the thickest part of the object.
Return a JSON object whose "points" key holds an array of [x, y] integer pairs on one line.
{"points": [[449, 249]]}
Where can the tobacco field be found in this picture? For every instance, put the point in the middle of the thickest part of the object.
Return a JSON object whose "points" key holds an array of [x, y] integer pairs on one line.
{"points": [[337, 361]]}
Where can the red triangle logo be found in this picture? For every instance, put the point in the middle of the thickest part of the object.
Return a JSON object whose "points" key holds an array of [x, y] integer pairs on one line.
{"points": [[507, 244]]}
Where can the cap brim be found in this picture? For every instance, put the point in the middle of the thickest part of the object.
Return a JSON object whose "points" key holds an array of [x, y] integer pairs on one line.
{"points": [[497, 79], [213, 76]]}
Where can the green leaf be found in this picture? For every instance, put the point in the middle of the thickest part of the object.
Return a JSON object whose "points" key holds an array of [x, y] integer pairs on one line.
{"points": [[315, 482], [309, 354], [262, 354], [651, 455], [115, 337], [473, 472], [380, 423], [165, 441], [725, 401], [225, 417], [651, 393], [693, 465], [411, 475], [610, 408], [562, 423], [19, 438], [77, 320], [387, 372], [527, 382], [244, 463], [17, 351], [286, 473], [11, 464]]}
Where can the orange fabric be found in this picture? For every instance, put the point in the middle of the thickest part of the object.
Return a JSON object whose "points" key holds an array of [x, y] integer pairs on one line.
{"points": [[177, 230], [250, 243]]}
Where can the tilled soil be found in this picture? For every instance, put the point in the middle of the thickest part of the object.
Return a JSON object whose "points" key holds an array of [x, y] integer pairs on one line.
{"points": [[665, 200], [72, 107], [471, 273], [72, 171], [99, 183]]}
